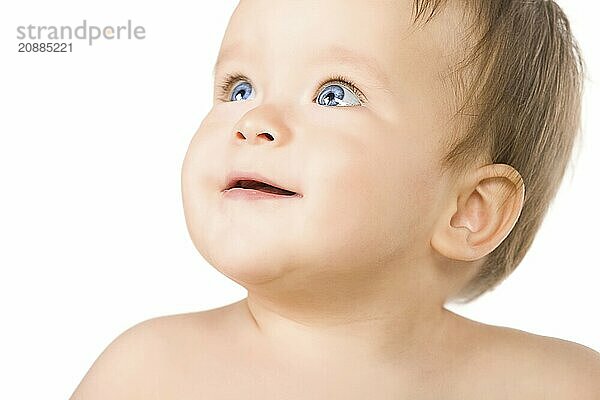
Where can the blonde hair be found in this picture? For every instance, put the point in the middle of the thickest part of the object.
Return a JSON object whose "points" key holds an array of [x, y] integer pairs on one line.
{"points": [[521, 82]]}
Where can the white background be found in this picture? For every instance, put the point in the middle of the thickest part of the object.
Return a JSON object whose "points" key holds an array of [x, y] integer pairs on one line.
{"points": [[92, 232]]}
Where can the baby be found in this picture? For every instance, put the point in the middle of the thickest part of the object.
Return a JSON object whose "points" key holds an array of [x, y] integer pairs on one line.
{"points": [[364, 163]]}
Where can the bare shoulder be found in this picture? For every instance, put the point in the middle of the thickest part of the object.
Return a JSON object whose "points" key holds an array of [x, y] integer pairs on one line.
{"points": [[571, 370], [140, 361], [545, 367]]}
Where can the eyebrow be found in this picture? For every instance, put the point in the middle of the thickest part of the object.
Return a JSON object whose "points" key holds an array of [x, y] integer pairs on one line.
{"points": [[334, 54]]}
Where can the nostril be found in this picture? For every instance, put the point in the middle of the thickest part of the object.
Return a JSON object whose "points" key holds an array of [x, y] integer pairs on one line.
{"points": [[267, 134], [240, 135]]}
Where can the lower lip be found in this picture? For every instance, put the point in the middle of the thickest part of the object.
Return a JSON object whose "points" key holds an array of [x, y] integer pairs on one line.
{"points": [[251, 194]]}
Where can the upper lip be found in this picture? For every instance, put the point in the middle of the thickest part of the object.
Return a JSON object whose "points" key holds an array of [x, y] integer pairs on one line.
{"points": [[234, 176]]}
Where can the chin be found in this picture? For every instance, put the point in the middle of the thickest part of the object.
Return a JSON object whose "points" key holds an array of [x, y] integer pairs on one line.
{"points": [[246, 263]]}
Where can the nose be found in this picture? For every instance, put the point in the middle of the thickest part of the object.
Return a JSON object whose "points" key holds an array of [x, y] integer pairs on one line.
{"points": [[262, 124]]}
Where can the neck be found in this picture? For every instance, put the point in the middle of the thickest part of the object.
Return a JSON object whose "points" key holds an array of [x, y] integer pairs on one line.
{"points": [[376, 317]]}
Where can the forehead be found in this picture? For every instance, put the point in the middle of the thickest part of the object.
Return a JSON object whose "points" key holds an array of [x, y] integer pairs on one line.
{"points": [[327, 54], [376, 38], [313, 29], [338, 19]]}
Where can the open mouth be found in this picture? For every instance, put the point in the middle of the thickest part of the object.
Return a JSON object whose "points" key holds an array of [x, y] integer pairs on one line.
{"points": [[250, 184]]}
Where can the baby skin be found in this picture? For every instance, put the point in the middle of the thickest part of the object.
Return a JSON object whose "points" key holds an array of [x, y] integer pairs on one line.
{"points": [[345, 106]]}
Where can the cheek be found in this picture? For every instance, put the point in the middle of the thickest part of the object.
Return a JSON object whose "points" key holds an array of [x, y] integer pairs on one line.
{"points": [[209, 154], [372, 185], [201, 176]]}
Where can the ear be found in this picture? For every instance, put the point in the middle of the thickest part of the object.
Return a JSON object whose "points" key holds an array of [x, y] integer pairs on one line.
{"points": [[482, 212]]}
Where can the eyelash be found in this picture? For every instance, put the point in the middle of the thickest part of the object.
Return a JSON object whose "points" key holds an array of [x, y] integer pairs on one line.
{"points": [[227, 82]]}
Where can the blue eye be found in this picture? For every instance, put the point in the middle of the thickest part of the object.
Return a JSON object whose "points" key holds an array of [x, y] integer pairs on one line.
{"points": [[335, 90], [242, 91], [333, 95]]}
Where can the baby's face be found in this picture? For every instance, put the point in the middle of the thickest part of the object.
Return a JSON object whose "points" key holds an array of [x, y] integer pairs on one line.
{"points": [[365, 162]]}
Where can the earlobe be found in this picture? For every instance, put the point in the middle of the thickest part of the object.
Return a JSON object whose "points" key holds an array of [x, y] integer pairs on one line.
{"points": [[481, 215]]}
